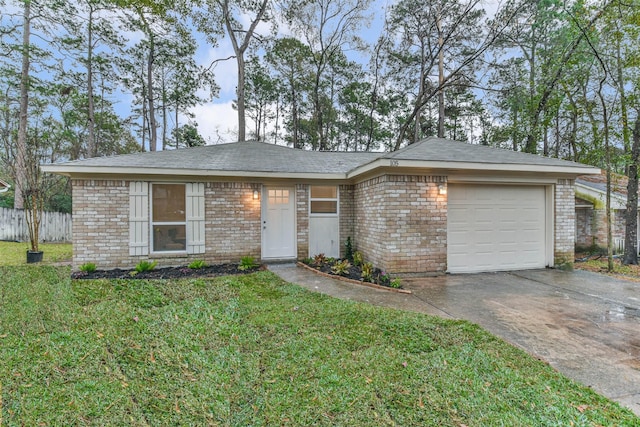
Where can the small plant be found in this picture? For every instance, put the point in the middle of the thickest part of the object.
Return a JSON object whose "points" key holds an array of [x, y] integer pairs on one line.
{"points": [[308, 261], [396, 283], [331, 260], [247, 263], [145, 266], [319, 259], [341, 267], [383, 279], [197, 264], [358, 259], [367, 272], [88, 267], [348, 249]]}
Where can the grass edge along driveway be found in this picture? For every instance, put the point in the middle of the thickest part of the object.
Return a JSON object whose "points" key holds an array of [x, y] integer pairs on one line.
{"points": [[254, 350]]}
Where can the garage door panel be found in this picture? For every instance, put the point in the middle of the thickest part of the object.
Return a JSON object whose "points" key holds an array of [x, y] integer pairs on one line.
{"points": [[496, 227]]}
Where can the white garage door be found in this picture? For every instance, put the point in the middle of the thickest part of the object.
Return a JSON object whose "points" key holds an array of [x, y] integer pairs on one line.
{"points": [[495, 227]]}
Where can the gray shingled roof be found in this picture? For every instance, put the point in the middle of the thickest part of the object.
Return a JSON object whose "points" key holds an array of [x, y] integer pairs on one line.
{"points": [[444, 150], [238, 157], [258, 157]]}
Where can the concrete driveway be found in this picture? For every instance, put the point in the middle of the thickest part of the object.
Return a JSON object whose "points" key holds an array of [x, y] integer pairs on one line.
{"points": [[584, 324]]}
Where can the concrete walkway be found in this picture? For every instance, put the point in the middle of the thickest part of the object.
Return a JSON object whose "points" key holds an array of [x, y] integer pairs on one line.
{"points": [[585, 325]]}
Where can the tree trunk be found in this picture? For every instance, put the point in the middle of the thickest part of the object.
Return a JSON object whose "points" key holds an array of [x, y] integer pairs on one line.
{"points": [[440, 80], [92, 149], [153, 134], [242, 126], [21, 158], [165, 120], [631, 214]]}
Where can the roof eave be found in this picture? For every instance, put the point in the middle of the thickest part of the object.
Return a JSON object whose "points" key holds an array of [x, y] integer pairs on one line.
{"points": [[72, 171], [619, 201], [451, 165]]}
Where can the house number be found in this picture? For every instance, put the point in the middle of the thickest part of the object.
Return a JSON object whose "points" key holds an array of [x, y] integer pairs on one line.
{"points": [[394, 163]]}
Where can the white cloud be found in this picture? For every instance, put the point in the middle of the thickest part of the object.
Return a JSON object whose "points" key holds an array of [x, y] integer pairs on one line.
{"points": [[226, 72], [217, 122]]}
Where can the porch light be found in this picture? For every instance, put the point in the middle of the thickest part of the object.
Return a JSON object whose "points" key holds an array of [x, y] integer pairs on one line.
{"points": [[256, 194], [442, 189]]}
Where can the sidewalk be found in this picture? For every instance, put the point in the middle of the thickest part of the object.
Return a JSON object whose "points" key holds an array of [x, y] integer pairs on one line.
{"points": [[349, 291]]}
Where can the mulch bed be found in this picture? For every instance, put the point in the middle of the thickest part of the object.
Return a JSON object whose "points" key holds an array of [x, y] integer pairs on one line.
{"points": [[166, 272], [354, 275]]}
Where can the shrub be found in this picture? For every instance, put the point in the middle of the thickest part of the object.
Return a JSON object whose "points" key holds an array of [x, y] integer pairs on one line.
{"points": [[348, 249], [367, 272], [341, 267], [197, 264], [88, 267], [145, 266], [247, 263], [396, 283], [383, 279], [358, 259], [319, 259]]}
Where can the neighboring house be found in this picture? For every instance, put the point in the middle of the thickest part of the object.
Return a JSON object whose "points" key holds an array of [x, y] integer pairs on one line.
{"points": [[433, 206], [4, 187], [591, 215]]}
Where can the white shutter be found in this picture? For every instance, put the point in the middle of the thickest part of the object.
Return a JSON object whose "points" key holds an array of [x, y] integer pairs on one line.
{"points": [[138, 218], [195, 218]]}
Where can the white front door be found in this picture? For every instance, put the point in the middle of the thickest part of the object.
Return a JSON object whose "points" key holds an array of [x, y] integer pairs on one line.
{"points": [[278, 223]]}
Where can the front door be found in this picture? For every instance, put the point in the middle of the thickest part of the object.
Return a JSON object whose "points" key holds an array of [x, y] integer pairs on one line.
{"points": [[278, 223]]}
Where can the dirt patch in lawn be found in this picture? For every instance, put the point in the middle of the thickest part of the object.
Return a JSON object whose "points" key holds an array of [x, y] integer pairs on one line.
{"points": [[166, 272]]}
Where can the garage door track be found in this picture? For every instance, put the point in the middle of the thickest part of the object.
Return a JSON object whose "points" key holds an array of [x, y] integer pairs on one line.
{"points": [[584, 324]]}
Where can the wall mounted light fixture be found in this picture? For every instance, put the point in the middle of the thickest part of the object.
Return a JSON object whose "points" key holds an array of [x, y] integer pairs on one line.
{"points": [[256, 194], [442, 189]]}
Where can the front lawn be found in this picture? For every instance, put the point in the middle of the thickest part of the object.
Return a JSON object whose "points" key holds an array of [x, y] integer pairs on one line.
{"points": [[12, 253], [254, 350]]}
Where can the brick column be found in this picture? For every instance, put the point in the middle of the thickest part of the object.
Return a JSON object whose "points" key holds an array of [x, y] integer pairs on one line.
{"points": [[565, 216]]}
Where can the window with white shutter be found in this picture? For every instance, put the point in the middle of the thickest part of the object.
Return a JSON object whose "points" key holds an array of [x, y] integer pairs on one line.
{"points": [[195, 218], [138, 218], [166, 218]]}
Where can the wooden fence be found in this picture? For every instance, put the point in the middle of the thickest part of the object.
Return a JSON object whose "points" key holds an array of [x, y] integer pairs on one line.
{"points": [[54, 227]]}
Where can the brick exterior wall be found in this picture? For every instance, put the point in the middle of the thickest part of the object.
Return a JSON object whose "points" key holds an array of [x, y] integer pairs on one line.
{"points": [[401, 223], [302, 220], [398, 222], [565, 216], [591, 228], [101, 225], [233, 225]]}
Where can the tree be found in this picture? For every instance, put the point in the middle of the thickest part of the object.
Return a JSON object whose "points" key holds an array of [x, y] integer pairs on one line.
{"points": [[187, 136], [327, 27], [631, 214], [437, 38], [21, 151], [290, 60], [262, 93]]}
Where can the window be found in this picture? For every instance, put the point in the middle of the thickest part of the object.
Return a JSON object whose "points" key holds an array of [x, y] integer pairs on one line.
{"points": [[324, 200], [168, 217], [278, 197]]}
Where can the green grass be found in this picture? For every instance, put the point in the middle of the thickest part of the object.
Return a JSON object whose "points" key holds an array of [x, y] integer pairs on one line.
{"points": [[12, 253], [254, 350]]}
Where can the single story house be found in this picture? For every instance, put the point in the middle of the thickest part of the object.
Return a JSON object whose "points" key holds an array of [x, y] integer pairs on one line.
{"points": [[434, 206], [591, 215]]}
